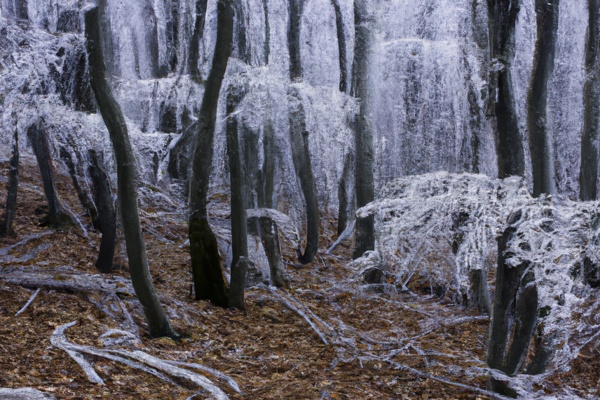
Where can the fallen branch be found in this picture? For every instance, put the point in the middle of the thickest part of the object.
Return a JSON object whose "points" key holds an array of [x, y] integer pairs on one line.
{"points": [[31, 299], [24, 241], [343, 236]]}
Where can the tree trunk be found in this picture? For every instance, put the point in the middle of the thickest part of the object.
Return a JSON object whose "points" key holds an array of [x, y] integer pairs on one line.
{"points": [[537, 99], [345, 195], [303, 167], [588, 175], [80, 188], [209, 281], [268, 232], [267, 43], [6, 229], [509, 143], [126, 181], [107, 215], [239, 233], [194, 49], [514, 316], [58, 215], [295, 7], [363, 130], [341, 37]]}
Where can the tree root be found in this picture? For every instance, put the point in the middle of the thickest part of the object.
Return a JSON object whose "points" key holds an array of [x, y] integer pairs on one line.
{"points": [[142, 361]]}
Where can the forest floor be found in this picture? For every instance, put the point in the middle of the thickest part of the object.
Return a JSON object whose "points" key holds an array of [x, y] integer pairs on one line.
{"points": [[379, 345]]}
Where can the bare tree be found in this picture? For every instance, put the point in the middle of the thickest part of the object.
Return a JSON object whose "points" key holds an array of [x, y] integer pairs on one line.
{"points": [[209, 281], [127, 181]]}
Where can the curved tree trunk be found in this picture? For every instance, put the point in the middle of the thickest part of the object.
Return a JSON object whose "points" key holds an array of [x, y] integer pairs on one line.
{"points": [[107, 215], [537, 99], [509, 143], [58, 215], [363, 130], [588, 175], [209, 281], [341, 37], [126, 182], [303, 166]]}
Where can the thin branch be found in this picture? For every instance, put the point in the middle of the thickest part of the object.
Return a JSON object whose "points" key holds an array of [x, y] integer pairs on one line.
{"points": [[31, 299]]}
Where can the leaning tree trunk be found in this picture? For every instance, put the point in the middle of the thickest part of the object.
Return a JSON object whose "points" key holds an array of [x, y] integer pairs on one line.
{"points": [[588, 175], [209, 281], [537, 99], [303, 166], [58, 215], [239, 230], [509, 143], [6, 229], [107, 216], [363, 130], [126, 181]]}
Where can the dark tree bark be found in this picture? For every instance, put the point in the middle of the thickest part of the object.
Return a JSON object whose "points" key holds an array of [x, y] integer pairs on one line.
{"points": [[107, 216], [194, 49], [239, 232], [295, 7], [514, 316], [509, 143], [588, 175], [341, 37], [151, 35], [80, 187], [303, 166], [266, 175], [58, 215], [266, 229], [537, 99], [127, 180], [209, 281], [363, 131], [345, 195], [267, 42], [6, 228]]}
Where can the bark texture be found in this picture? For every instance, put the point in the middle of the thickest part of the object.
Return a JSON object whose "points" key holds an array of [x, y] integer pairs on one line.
{"points": [[363, 130], [509, 143], [537, 99], [126, 182], [588, 175], [209, 281]]}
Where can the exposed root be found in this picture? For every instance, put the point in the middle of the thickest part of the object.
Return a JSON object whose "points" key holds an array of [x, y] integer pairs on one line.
{"points": [[139, 360]]}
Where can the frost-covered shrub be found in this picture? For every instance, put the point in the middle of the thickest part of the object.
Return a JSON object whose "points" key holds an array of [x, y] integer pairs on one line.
{"points": [[440, 227]]}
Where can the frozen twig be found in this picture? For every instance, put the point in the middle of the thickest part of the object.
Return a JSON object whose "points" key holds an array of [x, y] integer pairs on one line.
{"points": [[232, 384], [301, 313], [343, 236], [31, 299], [6, 250]]}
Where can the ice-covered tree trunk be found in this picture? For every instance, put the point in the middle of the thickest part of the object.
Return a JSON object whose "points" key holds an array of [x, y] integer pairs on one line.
{"points": [[514, 316], [537, 99], [107, 215], [58, 215], [209, 281], [509, 143], [10, 210], [363, 137], [126, 181], [588, 175], [239, 230]]}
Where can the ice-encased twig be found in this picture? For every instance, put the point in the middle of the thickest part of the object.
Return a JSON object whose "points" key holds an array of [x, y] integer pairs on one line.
{"points": [[301, 313], [31, 299], [345, 234], [232, 383]]}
